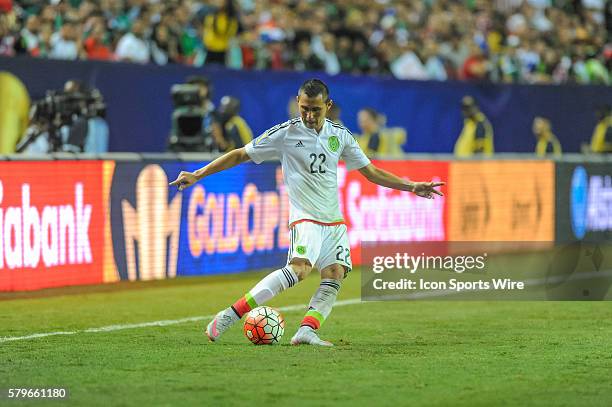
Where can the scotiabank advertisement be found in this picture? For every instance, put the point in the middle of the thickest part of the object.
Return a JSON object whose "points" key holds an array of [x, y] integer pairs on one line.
{"points": [[378, 214], [51, 224]]}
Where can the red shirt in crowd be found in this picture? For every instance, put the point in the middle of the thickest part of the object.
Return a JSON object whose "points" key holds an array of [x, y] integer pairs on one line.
{"points": [[473, 68], [97, 49]]}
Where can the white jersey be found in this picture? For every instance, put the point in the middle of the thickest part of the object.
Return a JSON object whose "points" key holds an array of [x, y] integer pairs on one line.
{"points": [[310, 165]]}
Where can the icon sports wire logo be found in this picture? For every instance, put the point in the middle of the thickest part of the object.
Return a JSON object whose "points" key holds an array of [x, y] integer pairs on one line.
{"points": [[590, 202], [52, 234]]}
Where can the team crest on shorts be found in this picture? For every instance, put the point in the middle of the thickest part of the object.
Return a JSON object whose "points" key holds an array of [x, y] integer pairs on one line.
{"points": [[333, 143], [301, 250]]}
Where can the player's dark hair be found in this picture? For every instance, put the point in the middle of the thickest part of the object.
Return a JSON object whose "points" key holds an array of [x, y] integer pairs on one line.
{"points": [[314, 87]]}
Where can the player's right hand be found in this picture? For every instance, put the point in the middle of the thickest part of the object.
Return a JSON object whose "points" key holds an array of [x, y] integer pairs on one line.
{"points": [[185, 179]]}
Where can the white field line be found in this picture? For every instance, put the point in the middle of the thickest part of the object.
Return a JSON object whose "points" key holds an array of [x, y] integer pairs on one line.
{"points": [[298, 307], [119, 327]]}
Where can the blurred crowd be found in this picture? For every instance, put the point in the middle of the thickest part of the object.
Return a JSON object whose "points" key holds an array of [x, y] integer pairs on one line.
{"points": [[512, 41]]}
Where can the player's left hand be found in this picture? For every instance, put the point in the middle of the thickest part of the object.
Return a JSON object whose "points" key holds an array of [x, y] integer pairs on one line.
{"points": [[427, 189]]}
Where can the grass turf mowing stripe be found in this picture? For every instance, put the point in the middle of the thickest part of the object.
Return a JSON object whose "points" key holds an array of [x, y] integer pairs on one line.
{"points": [[110, 328]]}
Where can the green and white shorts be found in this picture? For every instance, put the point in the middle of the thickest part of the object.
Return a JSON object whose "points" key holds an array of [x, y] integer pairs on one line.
{"points": [[321, 245]]}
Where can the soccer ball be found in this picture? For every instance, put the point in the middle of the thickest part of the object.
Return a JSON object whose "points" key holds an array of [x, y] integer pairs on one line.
{"points": [[264, 326]]}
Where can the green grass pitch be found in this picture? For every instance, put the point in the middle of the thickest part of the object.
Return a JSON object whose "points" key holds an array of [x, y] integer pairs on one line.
{"points": [[434, 353]]}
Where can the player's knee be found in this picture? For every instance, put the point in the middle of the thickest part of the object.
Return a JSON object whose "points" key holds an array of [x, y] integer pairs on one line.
{"points": [[301, 268], [335, 271], [302, 271]]}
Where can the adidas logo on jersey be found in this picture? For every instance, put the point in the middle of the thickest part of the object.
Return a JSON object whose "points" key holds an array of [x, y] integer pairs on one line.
{"points": [[299, 144]]}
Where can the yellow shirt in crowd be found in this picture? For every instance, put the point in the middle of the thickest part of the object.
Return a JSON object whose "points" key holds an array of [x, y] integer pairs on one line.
{"points": [[219, 29], [542, 147], [599, 144], [476, 137]]}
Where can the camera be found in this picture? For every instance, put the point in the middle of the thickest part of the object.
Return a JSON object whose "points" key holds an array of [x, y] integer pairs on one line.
{"points": [[191, 119], [58, 109], [65, 105], [186, 95]]}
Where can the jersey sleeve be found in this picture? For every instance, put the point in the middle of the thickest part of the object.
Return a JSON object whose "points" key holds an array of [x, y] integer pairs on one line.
{"points": [[353, 155], [266, 146]]}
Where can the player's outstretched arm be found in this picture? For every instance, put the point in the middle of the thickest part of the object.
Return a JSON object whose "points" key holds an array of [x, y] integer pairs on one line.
{"points": [[186, 179], [389, 180]]}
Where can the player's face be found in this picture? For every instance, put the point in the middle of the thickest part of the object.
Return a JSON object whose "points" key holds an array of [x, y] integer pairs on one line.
{"points": [[313, 110]]}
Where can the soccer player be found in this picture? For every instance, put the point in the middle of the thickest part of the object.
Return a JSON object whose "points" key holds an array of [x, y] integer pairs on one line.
{"points": [[309, 148]]}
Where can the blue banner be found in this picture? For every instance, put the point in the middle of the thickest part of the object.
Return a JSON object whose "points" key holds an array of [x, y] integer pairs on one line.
{"points": [[139, 103], [232, 222], [584, 202]]}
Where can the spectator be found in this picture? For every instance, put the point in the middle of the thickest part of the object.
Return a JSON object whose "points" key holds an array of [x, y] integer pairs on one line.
{"points": [[434, 65], [371, 140], [477, 133], [185, 31], [88, 133], [376, 138], [545, 70], [7, 39], [596, 71], [547, 142], [133, 46], [408, 65], [475, 67], [456, 50], [193, 126], [219, 28], [65, 44], [82, 128], [249, 49], [115, 14], [234, 131], [96, 46], [293, 110], [324, 49], [345, 54], [545, 41], [44, 43], [363, 59], [28, 36], [509, 65], [206, 104], [305, 59], [272, 56], [164, 48], [334, 113], [601, 142]]}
